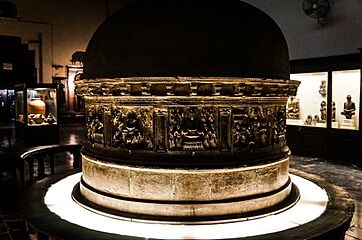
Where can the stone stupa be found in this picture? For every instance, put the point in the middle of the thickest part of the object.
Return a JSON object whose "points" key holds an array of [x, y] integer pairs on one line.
{"points": [[186, 117]]}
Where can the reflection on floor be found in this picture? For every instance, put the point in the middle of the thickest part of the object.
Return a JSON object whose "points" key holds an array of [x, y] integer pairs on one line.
{"points": [[12, 225]]}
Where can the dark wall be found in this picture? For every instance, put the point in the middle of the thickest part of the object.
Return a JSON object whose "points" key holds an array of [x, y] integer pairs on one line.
{"points": [[17, 63]]}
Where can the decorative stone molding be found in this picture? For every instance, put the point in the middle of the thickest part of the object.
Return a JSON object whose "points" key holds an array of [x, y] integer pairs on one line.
{"points": [[151, 119], [183, 86]]}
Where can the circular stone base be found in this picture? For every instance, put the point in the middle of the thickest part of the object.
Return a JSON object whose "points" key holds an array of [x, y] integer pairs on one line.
{"points": [[180, 212], [183, 193], [319, 214]]}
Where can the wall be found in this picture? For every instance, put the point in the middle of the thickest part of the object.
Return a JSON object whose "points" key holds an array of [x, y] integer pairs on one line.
{"points": [[341, 33], [70, 25], [66, 26]]}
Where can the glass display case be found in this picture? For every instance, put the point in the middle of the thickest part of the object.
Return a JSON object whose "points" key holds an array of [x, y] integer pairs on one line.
{"points": [[41, 105], [7, 105], [36, 111], [346, 87], [309, 107], [331, 89]]}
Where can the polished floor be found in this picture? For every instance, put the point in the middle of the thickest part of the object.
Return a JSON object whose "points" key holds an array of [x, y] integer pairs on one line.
{"points": [[12, 225]]}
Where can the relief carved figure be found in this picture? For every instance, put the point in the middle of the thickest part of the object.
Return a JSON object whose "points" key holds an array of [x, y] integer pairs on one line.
{"points": [[95, 124], [256, 127], [192, 128], [349, 108], [241, 134], [131, 129], [280, 125]]}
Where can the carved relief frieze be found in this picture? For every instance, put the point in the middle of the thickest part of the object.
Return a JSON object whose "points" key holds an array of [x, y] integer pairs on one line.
{"points": [[186, 128], [95, 124], [187, 119], [192, 128], [280, 125], [132, 127], [257, 126]]}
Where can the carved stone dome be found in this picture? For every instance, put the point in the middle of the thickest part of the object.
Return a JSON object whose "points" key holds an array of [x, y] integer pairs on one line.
{"points": [[209, 38]]}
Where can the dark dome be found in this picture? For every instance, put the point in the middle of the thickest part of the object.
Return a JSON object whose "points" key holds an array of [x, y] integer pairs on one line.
{"points": [[191, 38]]}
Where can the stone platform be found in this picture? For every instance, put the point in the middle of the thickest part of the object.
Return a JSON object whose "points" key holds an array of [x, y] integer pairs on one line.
{"points": [[331, 224]]}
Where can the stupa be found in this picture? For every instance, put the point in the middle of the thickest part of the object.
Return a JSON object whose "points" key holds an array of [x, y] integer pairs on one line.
{"points": [[186, 121], [186, 112]]}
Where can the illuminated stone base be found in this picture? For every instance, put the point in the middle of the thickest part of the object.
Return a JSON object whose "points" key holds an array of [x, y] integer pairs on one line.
{"points": [[184, 193], [173, 211], [321, 212]]}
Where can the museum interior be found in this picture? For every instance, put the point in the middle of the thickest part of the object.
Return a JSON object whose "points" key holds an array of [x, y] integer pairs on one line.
{"points": [[180, 119]]}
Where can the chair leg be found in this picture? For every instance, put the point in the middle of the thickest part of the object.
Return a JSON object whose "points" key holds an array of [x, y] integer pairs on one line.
{"points": [[77, 159], [31, 168], [51, 162], [41, 167]]}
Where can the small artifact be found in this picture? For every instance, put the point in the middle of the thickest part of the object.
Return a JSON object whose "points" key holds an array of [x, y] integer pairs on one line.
{"points": [[36, 106], [349, 108], [323, 110], [309, 120], [30, 118], [20, 118], [38, 118], [50, 119], [293, 108], [316, 119], [322, 88]]}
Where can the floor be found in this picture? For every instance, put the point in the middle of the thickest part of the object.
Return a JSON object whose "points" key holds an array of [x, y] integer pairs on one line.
{"points": [[12, 225]]}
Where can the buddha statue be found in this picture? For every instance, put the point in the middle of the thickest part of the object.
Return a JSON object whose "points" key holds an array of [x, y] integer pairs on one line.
{"points": [[323, 110], [349, 108], [293, 108], [309, 120]]}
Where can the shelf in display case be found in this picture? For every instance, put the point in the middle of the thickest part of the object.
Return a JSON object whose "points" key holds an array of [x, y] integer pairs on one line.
{"points": [[295, 122]]}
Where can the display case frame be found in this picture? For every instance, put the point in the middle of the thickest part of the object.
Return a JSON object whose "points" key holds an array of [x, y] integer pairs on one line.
{"points": [[36, 126], [7, 105], [333, 143]]}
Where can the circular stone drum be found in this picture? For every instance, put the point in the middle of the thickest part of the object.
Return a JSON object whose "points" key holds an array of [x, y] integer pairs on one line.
{"points": [[185, 147]]}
